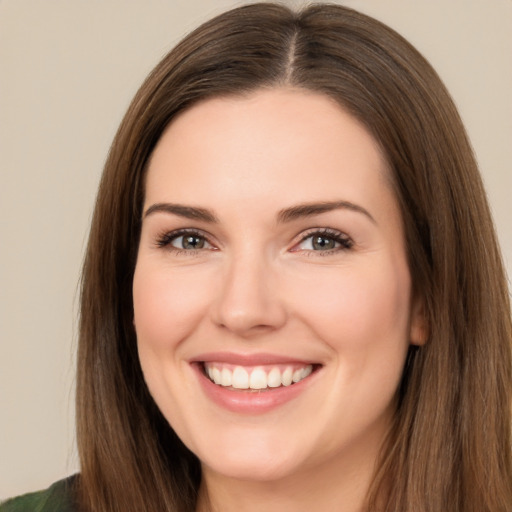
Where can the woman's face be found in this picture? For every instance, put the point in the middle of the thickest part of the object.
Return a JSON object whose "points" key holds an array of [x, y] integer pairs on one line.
{"points": [[272, 251]]}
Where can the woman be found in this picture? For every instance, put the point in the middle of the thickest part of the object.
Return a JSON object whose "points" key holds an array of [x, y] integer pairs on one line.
{"points": [[292, 295]]}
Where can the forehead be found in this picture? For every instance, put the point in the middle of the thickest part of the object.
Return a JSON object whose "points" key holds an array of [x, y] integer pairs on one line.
{"points": [[267, 142]]}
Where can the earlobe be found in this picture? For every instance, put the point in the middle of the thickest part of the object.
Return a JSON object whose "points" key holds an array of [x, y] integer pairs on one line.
{"points": [[419, 329]]}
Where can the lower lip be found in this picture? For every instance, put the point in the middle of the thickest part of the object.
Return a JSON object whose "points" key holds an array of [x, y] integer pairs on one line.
{"points": [[247, 401]]}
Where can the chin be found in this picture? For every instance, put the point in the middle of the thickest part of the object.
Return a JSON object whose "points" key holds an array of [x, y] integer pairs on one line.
{"points": [[249, 455], [258, 468]]}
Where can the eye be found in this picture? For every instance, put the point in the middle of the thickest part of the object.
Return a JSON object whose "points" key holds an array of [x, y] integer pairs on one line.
{"points": [[185, 240], [188, 242], [325, 240]]}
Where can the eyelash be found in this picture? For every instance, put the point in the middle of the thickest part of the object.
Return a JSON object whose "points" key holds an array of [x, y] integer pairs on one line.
{"points": [[165, 240], [338, 237], [345, 242]]}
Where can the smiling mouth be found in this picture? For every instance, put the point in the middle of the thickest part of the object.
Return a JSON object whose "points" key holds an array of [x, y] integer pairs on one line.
{"points": [[257, 378]]}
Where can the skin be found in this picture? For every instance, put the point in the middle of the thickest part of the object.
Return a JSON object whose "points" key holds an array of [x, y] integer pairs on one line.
{"points": [[258, 285]]}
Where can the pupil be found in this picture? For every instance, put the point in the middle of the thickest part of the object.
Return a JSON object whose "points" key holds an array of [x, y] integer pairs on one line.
{"points": [[192, 242], [323, 243]]}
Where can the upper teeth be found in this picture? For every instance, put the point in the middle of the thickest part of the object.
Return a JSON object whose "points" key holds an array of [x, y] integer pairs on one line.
{"points": [[258, 378]]}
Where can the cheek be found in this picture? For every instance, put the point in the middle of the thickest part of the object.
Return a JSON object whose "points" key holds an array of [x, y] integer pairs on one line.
{"points": [[360, 309], [167, 305], [167, 308]]}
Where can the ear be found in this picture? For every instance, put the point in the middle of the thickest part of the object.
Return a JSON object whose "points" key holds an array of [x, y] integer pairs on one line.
{"points": [[419, 328]]}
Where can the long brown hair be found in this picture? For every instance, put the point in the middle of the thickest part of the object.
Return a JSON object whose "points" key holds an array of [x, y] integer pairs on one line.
{"points": [[449, 448]]}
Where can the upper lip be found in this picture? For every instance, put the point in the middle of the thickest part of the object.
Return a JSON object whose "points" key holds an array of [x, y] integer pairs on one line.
{"points": [[248, 359]]}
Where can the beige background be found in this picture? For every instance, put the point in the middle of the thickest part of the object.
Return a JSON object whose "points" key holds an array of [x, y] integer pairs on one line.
{"points": [[68, 69]]}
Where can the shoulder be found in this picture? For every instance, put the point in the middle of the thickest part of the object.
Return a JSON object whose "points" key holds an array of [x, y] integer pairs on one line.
{"points": [[57, 498]]}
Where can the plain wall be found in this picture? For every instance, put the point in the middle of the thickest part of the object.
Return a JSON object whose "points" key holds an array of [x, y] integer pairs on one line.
{"points": [[68, 69]]}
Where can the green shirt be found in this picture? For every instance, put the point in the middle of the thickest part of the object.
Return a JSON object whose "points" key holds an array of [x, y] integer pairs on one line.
{"points": [[57, 498]]}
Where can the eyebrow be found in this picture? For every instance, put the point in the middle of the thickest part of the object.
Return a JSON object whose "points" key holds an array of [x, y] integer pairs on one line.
{"points": [[285, 215], [188, 212], [310, 209]]}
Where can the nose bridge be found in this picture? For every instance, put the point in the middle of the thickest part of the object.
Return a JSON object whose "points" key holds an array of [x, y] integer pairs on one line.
{"points": [[248, 299]]}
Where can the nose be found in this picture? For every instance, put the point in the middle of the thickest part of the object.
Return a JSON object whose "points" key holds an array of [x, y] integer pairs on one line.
{"points": [[249, 301]]}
